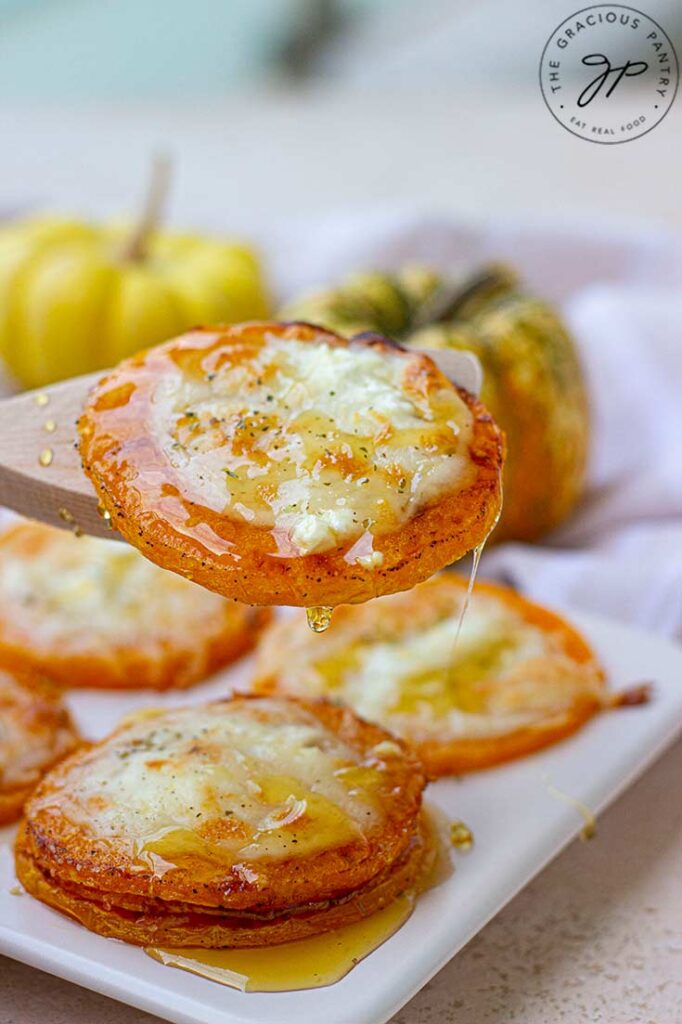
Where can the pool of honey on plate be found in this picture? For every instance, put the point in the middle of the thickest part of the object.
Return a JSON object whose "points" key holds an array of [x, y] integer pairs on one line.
{"points": [[319, 960], [307, 963]]}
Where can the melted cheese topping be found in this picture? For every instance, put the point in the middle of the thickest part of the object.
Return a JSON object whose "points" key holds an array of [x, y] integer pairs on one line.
{"points": [[320, 444], [230, 782], [77, 588], [34, 732], [410, 676]]}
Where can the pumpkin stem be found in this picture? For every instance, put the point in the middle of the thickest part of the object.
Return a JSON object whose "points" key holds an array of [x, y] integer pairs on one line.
{"points": [[135, 248], [462, 298]]}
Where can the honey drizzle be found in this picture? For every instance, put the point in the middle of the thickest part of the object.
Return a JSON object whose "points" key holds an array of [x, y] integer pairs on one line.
{"points": [[319, 618], [473, 572], [322, 959], [589, 829]]}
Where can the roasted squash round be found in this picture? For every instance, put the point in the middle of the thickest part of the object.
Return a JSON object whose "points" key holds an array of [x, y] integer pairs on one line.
{"points": [[85, 612], [282, 464], [244, 822], [504, 680]]}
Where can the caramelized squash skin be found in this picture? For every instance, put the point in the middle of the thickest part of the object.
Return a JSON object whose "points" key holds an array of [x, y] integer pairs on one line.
{"points": [[150, 923], [246, 562]]}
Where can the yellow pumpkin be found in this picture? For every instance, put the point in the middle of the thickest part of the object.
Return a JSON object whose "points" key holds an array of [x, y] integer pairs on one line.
{"points": [[73, 300], [533, 382]]}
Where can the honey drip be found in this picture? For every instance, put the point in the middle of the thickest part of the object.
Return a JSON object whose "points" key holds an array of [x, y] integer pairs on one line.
{"points": [[461, 836], [473, 572], [104, 514], [46, 456], [589, 829], [475, 562], [68, 518], [41, 399], [321, 959], [319, 618]]}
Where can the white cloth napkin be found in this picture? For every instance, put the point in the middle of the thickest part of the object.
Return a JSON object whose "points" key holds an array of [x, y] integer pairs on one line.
{"points": [[621, 292], [621, 553]]}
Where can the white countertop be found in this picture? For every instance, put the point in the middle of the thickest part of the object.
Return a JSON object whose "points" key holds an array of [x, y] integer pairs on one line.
{"points": [[596, 937]]}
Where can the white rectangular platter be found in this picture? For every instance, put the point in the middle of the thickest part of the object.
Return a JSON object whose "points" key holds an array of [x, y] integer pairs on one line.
{"points": [[518, 823]]}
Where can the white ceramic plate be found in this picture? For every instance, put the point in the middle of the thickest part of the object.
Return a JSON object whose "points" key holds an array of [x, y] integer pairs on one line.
{"points": [[518, 824]]}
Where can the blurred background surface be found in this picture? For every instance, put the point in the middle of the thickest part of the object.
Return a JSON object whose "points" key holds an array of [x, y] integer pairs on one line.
{"points": [[281, 106], [69, 50]]}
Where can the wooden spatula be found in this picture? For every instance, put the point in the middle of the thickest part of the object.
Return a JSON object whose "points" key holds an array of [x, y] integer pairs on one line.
{"points": [[40, 469]]}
